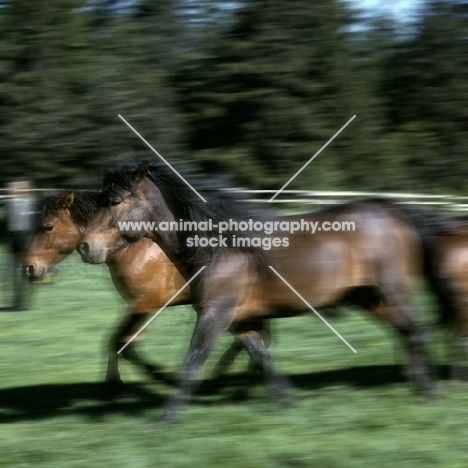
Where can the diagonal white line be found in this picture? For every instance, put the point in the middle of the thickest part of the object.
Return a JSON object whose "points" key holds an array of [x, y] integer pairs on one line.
{"points": [[161, 309], [157, 154], [313, 310], [312, 158]]}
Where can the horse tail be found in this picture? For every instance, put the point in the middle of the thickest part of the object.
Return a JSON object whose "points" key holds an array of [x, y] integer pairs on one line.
{"points": [[438, 282], [440, 285]]}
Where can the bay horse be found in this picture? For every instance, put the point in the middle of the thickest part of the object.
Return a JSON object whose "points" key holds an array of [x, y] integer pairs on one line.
{"points": [[64, 216], [237, 290], [452, 240], [141, 273]]}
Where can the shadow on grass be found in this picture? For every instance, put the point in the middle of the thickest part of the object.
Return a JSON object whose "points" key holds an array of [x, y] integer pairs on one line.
{"points": [[86, 399], [52, 400]]}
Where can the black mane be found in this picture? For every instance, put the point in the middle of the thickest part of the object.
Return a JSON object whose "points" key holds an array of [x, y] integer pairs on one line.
{"points": [[221, 204], [82, 209]]}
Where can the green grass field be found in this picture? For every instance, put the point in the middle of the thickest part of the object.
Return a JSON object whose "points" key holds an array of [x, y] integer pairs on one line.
{"points": [[350, 410]]}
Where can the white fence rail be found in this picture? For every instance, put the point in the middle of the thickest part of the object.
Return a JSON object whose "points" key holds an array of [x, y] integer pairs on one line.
{"points": [[314, 197], [322, 198]]}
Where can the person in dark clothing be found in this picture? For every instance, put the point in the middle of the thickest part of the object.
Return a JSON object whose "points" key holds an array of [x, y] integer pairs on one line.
{"points": [[20, 213]]}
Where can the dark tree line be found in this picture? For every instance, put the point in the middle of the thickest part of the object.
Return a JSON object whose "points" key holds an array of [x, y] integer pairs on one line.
{"points": [[253, 88]]}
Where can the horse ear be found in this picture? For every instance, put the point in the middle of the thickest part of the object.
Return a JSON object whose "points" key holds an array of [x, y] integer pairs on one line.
{"points": [[141, 171], [67, 200]]}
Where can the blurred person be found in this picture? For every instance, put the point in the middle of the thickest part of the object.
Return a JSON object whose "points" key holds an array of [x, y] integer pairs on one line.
{"points": [[20, 211]]}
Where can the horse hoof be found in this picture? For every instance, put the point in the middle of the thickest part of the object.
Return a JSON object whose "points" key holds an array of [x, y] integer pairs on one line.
{"points": [[154, 372], [113, 388]]}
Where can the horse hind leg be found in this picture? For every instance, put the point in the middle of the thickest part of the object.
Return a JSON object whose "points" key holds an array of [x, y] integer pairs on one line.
{"points": [[227, 359], [400, 315], [236, 347], [253, 342]]}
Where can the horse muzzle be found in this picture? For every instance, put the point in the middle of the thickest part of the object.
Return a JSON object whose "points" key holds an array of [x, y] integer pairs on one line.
{"points": [[33, 271], [91, 254]]}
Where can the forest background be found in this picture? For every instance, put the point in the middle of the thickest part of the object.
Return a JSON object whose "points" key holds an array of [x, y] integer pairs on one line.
{"points": [[252, 88]]}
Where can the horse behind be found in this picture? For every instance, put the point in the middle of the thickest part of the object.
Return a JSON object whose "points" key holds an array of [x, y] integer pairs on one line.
{"points": [[452, 243]]}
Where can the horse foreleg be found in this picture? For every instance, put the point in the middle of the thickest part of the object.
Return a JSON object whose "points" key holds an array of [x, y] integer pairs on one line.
{"points": [[113, 382], [128, 326], [208, 329]]}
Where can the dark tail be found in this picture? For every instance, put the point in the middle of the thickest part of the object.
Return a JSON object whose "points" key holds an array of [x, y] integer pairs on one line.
{"points": [[440, 285]]}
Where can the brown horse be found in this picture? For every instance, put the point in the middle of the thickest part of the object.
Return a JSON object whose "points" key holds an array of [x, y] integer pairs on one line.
{"points": [[450, 234], [141, 273], [452, 240], [237, 290], [65, 215]]}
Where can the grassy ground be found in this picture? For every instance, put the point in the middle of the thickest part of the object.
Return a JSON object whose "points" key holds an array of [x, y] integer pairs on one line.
{"points": [[351, 410]]}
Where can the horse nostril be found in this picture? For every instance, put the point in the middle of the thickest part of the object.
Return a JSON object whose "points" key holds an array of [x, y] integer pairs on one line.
{"points": [[30, 270], [84, 248]]}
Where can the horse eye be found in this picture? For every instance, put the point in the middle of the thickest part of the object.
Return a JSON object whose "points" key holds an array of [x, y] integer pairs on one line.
{"points": [[48, 228], [115, 202]]}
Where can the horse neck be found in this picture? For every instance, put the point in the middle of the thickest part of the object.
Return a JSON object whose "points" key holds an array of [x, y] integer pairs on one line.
{"points": [[159, 211]]}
